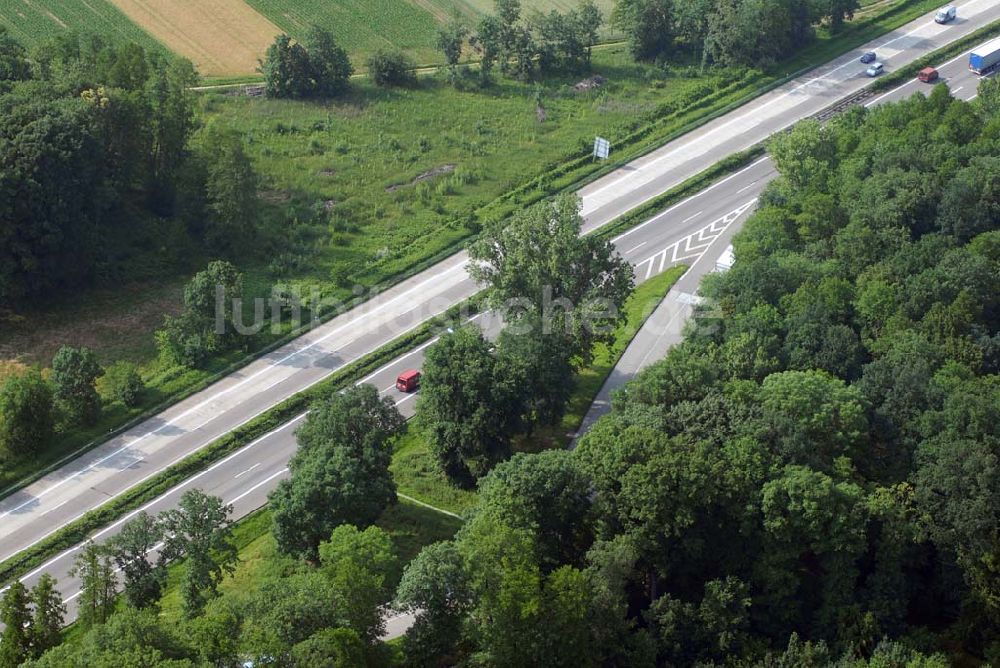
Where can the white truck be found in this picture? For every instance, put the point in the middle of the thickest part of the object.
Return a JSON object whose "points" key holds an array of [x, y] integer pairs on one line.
{"points": [[946, 14]]}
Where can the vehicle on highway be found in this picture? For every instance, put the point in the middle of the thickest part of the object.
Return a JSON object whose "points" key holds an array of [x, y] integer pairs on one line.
{"points": [[928, 75], [869, 57], [946, 14], [875, 69], [986, 57], [408, 381]]}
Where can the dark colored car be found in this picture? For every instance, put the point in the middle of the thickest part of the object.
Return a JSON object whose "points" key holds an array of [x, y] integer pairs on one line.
{"points": [[869, 57]]}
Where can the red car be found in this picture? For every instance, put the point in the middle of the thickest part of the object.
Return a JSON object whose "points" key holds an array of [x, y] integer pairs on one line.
{"points": [[408, 381], [928, 75]]}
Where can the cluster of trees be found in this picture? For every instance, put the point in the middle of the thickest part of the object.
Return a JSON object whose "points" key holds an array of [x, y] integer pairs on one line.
{"points": [[209, 322], [96, 167], [754, 33], [32, 406], [810, 477], [340, 472], [318, 67], [32, 620], [198, 531], [521, 46], [330, 612], [559, 294]]}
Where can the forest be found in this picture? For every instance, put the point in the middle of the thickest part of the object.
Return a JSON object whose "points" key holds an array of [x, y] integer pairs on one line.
{"points": [[99, 181], [810, 479]]}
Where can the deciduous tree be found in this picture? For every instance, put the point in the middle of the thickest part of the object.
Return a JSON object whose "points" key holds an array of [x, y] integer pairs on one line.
{"points": [[200, 531], [538, 264], [15, 642], [143, 580], [468, 404], [341, 473], [25, 413], [48, 617], [95, 569], [74, 372]]}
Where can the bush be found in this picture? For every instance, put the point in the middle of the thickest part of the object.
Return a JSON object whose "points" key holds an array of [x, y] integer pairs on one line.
{"points": [[74, 371], [124, 383], [391, 68], [25, 413]]}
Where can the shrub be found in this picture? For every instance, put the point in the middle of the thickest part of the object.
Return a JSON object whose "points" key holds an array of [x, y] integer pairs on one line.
{"points": [[391, 68], [74, 371], [124, 383], [25, 413]]}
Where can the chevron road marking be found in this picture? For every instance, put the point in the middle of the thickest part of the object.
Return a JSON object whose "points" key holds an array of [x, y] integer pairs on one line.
{"points": [[692, 246]]}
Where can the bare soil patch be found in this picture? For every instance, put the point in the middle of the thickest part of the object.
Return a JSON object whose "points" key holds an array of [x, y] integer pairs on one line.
{"points": [[116, 324], [430, 174]]}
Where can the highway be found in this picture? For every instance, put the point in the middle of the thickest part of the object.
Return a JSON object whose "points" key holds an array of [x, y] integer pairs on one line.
{"points": [[245, 477], [664, 328], [693, 232]]}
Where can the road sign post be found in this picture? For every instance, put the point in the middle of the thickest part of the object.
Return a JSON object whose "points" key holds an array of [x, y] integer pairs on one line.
{"points": [[602, 149]]}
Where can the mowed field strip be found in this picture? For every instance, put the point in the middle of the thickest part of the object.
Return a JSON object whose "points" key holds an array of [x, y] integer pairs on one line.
{"points": [[221, 37], [364, 26]]}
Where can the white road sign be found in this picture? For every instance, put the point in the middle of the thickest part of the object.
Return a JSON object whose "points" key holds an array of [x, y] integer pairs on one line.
{"points": [[602, 148]]}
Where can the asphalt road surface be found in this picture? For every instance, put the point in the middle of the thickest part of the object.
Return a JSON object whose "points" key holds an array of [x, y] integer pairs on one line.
{"points": [[664, 328], [245, 477]]}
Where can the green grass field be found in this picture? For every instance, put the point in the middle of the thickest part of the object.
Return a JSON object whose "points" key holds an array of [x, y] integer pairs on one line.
{"points": [[395, 174], [34, 21], [411, 527]]}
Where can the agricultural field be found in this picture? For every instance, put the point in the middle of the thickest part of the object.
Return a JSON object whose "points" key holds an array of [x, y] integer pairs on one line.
{"points": [[34, 21], [221, 37], [363, 26], [226, 38]]}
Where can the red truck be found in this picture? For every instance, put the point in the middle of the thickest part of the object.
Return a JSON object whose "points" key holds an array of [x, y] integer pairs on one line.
{"points": [[928, 75], [408, 381]]}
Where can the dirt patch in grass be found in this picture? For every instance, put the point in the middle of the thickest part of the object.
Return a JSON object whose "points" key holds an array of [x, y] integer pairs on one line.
{"points": [[429, 174], [117, 324], [221, 37]]}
